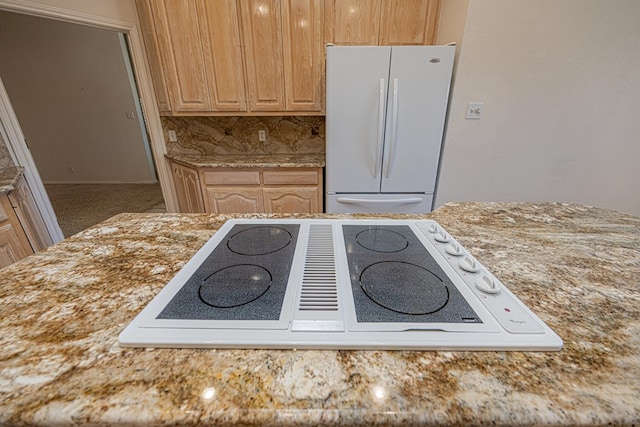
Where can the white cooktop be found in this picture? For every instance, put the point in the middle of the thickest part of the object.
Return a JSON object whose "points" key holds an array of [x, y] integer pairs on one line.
{"points": [[337, 284]]}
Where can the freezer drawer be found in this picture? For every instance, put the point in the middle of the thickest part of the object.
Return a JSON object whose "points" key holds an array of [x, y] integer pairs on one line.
{"points": [[379, 203]]}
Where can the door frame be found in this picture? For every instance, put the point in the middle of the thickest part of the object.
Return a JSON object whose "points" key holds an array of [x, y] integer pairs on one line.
{"points": [[16, 143]]}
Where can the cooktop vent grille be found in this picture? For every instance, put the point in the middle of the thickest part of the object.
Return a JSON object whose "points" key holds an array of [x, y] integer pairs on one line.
{"points": [[319, 289]]}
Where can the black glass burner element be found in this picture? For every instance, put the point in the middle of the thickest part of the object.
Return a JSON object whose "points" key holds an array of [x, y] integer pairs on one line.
{"points": [[394, 278], [381, 240], [243, 278], [235, 286], [260, 240], [385, 283]]}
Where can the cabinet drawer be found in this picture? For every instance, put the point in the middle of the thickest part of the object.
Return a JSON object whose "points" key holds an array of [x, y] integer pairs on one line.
{"points": [[234, 177], [292, 177]]}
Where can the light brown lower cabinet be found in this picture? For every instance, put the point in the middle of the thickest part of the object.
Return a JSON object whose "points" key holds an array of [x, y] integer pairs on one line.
{"points": [[29, 216], [234, 199], [22, 230], [250, 190], [291, 200], [188, 190], [14, 244]]}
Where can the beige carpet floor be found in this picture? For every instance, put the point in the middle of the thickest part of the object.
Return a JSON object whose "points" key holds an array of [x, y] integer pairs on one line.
{"points": [[80, 206]]}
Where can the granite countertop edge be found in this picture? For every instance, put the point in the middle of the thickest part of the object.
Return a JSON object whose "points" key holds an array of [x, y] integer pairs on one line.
{"points": [[310, 160]]}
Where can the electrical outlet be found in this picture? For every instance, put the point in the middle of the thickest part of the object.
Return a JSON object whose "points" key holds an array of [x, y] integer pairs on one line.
{"points": [[172, 136], [262, 135], [474, 110]]}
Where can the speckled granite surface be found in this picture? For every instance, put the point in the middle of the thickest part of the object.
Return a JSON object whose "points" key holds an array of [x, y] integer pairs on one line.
{"points": [[5, 157], [239, 135], [9, 177], [250, 160], [578, 268]]}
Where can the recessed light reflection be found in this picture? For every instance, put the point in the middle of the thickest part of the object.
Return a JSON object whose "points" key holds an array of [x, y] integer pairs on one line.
{"points": [[208, 393], [380, 393]]}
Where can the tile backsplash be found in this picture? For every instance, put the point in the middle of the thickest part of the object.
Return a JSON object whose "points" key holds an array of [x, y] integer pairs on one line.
{"points": [[239, 135], [5, 158]]}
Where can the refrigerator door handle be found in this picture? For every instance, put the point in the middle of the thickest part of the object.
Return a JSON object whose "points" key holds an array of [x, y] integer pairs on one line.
{"points": [[404, 201], [394, 127], [378, 165]]}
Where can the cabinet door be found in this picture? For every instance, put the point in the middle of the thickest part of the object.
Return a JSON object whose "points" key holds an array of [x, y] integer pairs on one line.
{"points": [[234, 200], [292, 200], [13, 242], [187, 187], [303, 46], [11, 249], [354, 22], [183, 53], [198, 43], [27, 212], [223, 54], [408, 22], [261, 28], [382, 22], [148, 27]]}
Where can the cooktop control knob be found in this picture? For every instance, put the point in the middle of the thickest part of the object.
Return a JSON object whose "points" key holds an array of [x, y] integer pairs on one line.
{"points": [[433, 228], [488, 285], [469, 264], [442, 237], [454, 249]]}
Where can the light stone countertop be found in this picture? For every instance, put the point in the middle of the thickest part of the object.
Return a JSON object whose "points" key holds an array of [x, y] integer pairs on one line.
{"points": [[250, 160], [9, 177], [576, 267]]}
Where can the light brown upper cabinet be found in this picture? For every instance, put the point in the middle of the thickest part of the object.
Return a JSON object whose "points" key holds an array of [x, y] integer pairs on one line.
{"points": [[382, 22], [199, 50], [264, 57], [198, 46], [148, 26], [303, 49], [283, 47], [261, 28]]}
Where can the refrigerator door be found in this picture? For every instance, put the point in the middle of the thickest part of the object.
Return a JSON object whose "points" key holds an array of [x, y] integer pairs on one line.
{"points": [[419, 81], [357, 83]]}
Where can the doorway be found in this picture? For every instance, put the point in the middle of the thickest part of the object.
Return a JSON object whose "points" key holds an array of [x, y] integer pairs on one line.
{"points": [[74, 93]]}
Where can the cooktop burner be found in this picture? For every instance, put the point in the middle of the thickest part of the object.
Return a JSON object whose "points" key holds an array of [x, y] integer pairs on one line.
{"points": [[381, 240], [259, 240], [235, 285], [339, 284], [244, 278], [402, 288], [395, 279]]}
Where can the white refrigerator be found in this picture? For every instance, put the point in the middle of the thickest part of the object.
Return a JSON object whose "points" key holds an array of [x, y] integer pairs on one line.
{"points": [[385, 115]]}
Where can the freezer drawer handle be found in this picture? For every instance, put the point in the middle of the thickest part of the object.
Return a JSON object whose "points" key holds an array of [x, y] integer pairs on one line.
{"points": [[379, 201], [378, 164]]}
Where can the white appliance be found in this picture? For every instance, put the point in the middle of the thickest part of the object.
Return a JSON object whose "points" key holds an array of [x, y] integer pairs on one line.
{"points": [[385, 115], [337, 284]]}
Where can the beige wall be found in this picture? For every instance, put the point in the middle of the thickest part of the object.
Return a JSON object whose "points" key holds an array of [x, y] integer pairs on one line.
{"points": [[70, 90], [560, 83], [453, 15]]}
